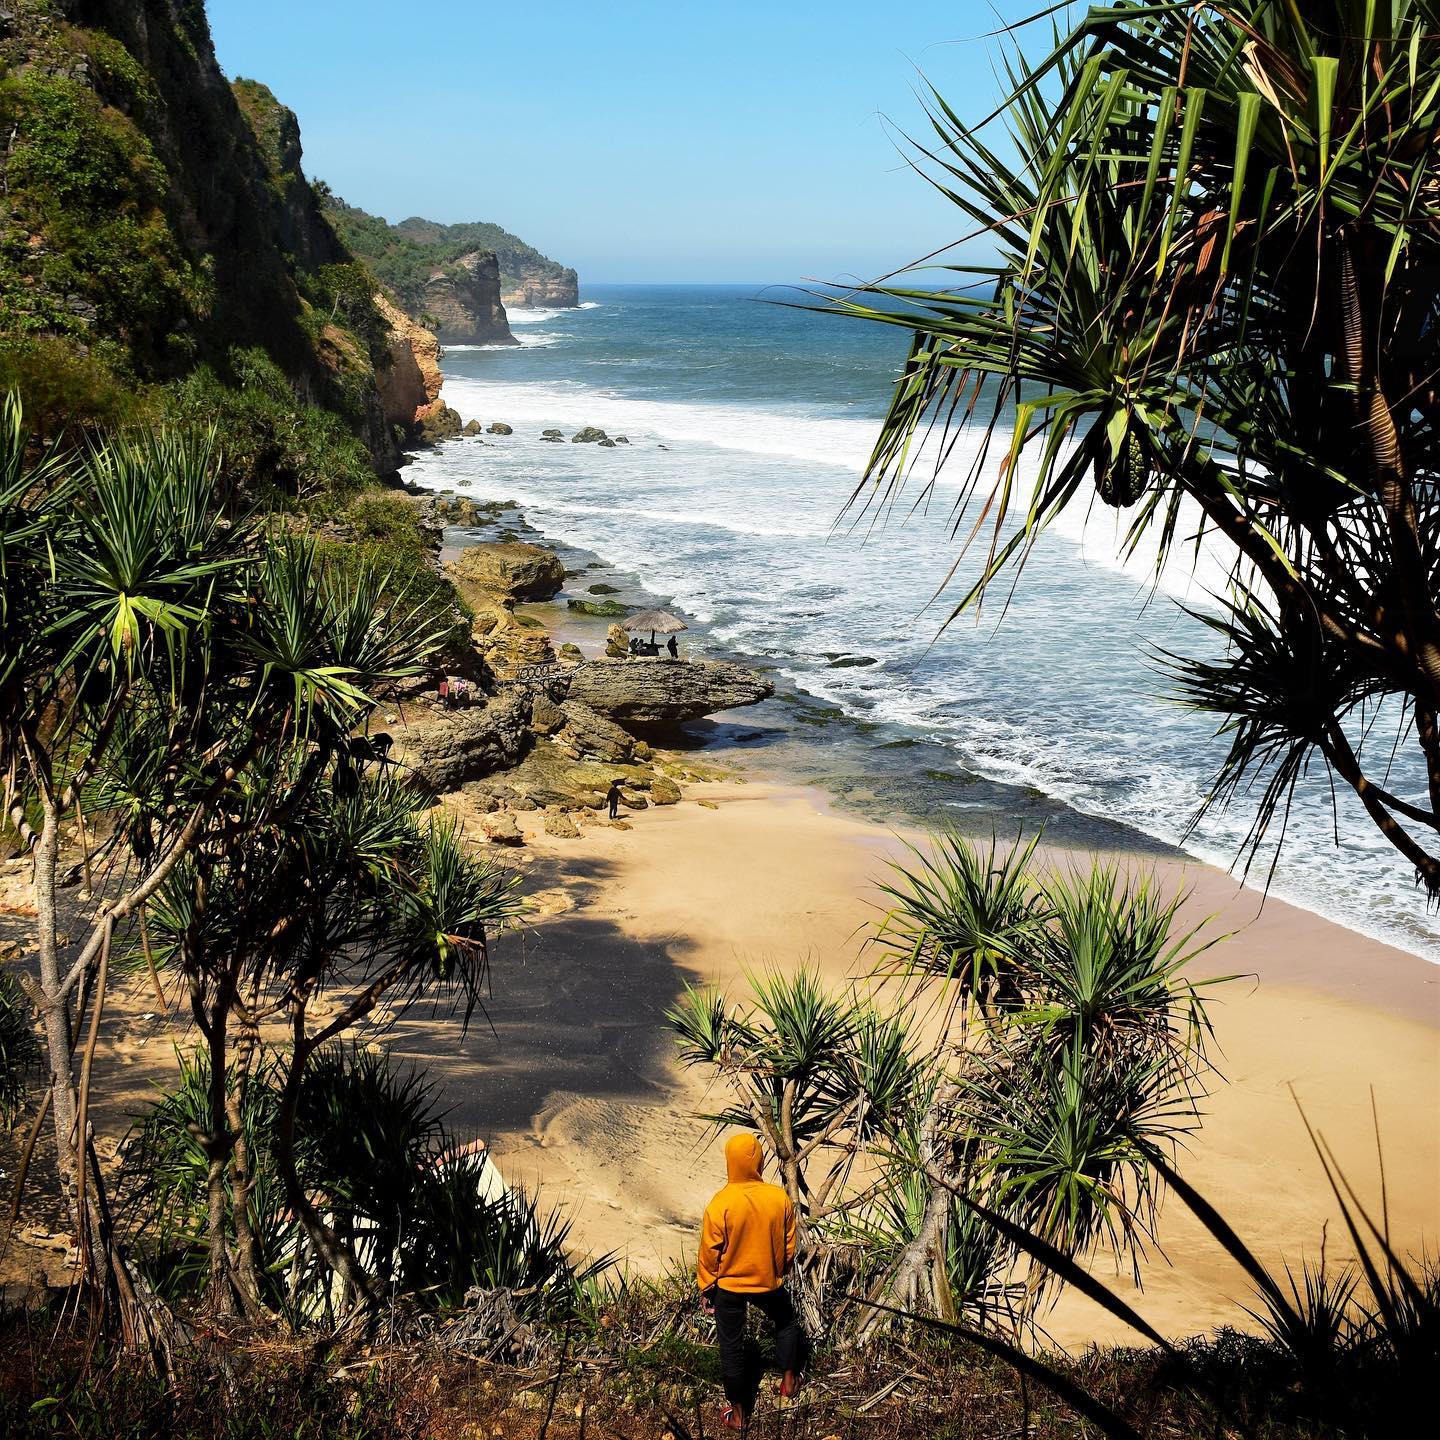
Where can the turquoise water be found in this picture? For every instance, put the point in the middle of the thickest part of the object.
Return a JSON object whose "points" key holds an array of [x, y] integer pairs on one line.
{"points": [[749, 426]]}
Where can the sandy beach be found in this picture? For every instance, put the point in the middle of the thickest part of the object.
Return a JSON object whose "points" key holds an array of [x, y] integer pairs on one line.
{"points": [[574, 1082]]}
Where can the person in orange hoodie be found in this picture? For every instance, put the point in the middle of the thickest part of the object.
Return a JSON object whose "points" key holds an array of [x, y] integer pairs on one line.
{"points": [[747, 1246]]}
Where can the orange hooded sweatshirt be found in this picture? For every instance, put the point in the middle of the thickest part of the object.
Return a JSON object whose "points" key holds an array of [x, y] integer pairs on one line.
{"points": [[747, 1237]]}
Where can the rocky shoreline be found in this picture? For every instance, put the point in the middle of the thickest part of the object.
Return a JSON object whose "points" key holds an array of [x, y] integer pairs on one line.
{"points": [[538, 727]]}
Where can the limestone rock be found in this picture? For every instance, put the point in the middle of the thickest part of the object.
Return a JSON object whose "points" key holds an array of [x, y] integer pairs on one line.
{"points": [[591, 736], [502, 829], [607, 444], [617, 643], [505, 640], [571, 653], [408, 379], [540, 284], [589, 435], [546, 717], [472, 427], [552, 434], [437, 422], [465, 745], [562, 826], [512, 569], [464, 298], [501, 428], [665, 692], [664, 792]]}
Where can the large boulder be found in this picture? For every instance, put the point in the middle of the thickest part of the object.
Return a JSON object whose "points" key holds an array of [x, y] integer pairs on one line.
{"points": [[665, 692], [465, 745], [510, 568], [588, 435], [592, 737], [437, 422]]}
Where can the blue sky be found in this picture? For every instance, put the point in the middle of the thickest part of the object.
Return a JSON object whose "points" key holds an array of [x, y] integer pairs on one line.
{"points": [[636, 141]]}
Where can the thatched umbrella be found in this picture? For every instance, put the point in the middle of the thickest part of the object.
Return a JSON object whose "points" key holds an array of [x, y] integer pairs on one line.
{"points": [[657, 622]]}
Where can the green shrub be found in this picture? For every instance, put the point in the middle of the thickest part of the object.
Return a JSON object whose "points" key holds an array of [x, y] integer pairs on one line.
{"points": [[276, 449], [62, 389], [85, 182], [383, 528]]}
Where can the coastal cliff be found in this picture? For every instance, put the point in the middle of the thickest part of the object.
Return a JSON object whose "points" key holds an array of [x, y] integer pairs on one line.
{"points": [[460, 276], [163, 256], [461, 302], [530, 286]]}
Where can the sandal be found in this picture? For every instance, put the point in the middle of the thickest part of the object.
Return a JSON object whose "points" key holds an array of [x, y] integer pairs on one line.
{"points": [[732, 1418], [791, 1383]]}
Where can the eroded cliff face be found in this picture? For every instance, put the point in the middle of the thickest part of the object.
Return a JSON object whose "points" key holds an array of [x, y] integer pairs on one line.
{"points": [[536, 288], [409, 383], [462, 299]]}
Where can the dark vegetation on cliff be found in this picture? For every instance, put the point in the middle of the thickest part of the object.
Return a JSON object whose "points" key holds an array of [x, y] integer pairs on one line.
{"points": [[162, 255], [165, 261], [404, 256]]}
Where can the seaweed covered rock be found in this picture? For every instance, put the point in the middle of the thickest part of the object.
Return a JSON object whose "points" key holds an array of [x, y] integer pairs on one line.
{"points": [[665, 692], [510, 568], [601, 609]]}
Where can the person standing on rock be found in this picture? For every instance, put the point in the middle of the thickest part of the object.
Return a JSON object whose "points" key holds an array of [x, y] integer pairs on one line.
{"points": [[747, 1246], [613, 796]]}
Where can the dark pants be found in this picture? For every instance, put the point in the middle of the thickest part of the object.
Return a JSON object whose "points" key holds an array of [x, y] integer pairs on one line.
{"points": [[614, 807], [738, 1373]]}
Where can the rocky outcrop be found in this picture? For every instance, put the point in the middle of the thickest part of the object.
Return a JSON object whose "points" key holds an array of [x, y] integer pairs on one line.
{"points": [[512, 569], [506, 641], [463, 300], [437, 422], [535, 287], [406, 256], [465, 745], [592, 737], [665, 692]]}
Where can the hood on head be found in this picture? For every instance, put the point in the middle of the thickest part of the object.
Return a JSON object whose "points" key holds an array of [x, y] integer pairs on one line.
{"points": [[744, 1159]]}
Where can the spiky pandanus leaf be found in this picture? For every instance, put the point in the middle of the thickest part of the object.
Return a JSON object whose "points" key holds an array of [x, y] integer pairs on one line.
{"points": [[1213, 305]]}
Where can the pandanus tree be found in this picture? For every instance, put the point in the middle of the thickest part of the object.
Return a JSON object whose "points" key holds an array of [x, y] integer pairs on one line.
{"points": [[1039, 1048], [178, 690], [341, 898], [1216, 306]]}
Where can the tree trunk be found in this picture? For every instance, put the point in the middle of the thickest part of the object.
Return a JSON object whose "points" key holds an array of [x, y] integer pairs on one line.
{"points": [[328, 1245]]}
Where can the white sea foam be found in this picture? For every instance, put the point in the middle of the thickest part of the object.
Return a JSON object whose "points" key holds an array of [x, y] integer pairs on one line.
{"points": [[727, 511], [818, 438]]}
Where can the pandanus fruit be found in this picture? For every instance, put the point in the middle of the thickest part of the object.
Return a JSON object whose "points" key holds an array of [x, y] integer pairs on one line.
{"points": [[1120, 480]]}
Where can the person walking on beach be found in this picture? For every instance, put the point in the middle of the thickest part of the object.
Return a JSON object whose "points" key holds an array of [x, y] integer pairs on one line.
{"points": [[613, 796], [747, 1246], [672, 645]]}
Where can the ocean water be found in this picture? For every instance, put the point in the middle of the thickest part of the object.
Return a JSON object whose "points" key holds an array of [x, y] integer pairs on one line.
{"points": [[749, 425]]}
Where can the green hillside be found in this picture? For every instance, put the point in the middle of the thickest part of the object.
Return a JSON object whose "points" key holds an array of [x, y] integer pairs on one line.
{"points": [[404, 255], [162, 255]]}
